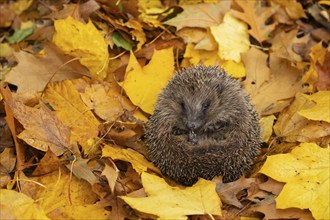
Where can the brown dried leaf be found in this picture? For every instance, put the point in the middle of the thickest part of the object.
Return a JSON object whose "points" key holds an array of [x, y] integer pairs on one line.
{"points": [[43, 129], [111, 174], [34, 72], [228, 191], [49, 163]]}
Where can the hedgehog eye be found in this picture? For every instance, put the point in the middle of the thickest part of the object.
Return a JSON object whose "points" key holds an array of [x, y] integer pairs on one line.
{"points": [[206, 104], [182, 106], [178, 131]]}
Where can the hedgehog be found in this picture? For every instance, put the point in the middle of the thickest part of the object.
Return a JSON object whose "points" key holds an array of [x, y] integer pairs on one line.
{"points": [[203, 126]]}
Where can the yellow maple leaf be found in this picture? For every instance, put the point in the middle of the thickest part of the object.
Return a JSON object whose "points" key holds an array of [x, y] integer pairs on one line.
{"points": [[15, 205], [320, 111], [232, 38], [139, 163], [59, 189], [72, 111], [169, 202], [143, 85], [78, 39], [306, 173]]}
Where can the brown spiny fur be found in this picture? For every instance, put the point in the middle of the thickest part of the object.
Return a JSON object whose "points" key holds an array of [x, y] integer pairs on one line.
{"points": [[203, 126]]}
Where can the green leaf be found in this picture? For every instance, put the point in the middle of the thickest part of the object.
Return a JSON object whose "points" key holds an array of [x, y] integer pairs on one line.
{"points": [[119, 41], [20, 34]]}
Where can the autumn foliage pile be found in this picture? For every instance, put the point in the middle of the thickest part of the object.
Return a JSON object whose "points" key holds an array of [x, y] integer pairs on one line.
{"points": [[79, 79]]}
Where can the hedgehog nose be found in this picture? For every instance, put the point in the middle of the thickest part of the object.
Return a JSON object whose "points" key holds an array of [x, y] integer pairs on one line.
{"points": [[191, 125]]}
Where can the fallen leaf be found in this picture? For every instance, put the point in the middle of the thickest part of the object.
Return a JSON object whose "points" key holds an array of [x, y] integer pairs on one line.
{"points": [[228, 191], [293, 8], [107, 100], [293, 127], [320, 111], [283, 45], [200, 15], [232, 38], [255, 15], [323, 82], [138, 161], [111, 174], [72, 111], [268, 208], [266, 125], [5, 50], [234, 69], [59, 191], [7, 165], [137, 32], [143, 84], [19, 35], [169, 202], [316, 76], [81, 170], [49, 163], [34, 72], [306, 173], [273, 95], [200, 56], [257, 70], [15, 205], [78, 39], [43, 129]]}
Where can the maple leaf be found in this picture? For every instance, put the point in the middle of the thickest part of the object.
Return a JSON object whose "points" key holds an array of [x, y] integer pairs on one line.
{"points": [[143, 85], [43, 129], [232, 38], [306, 173], [78, 39], [34, 72], [72, 111], [169, 202], [59, 191], [255, 16]]}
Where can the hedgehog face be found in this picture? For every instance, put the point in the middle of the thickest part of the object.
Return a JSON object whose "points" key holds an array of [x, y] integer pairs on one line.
{"points": [[194, 111]]}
